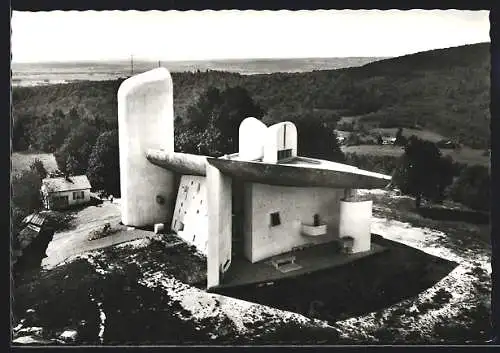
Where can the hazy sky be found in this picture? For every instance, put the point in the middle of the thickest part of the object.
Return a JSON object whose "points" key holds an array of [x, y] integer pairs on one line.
{"points": [[198, 35]]}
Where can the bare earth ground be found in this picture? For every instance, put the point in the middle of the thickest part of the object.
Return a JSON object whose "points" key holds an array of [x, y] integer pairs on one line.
{"points": [[150, 291], [464, 316]]}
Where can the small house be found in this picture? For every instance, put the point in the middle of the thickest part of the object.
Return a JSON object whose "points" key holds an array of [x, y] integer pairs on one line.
{"points": [[64, 192], [388, 140]]}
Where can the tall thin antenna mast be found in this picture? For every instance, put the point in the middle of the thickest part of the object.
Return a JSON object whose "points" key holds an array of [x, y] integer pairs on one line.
{"points": [[132, 65], [159, 63]]}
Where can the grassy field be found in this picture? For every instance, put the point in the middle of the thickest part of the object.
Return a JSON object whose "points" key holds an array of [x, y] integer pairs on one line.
{"points": [[423, 134], [464, 155], [21, 161]]}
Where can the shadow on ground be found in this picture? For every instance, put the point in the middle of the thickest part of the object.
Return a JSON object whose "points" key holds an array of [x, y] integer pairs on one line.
{"points": [[446, 214], [367, 285]]}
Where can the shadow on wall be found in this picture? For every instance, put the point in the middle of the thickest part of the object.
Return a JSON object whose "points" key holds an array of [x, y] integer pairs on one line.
{"points": [[360, 287], [445, 214]]}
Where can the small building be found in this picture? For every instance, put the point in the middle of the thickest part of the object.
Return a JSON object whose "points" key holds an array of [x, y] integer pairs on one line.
{"points": [[64, 192], [33, 236], [388, 140]]}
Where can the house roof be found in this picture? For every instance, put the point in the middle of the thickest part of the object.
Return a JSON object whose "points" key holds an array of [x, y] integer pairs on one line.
{"points": [[77, 182], [35, 218]]}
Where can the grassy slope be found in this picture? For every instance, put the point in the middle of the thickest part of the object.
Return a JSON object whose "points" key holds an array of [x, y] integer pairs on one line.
{"points": [[464, 155], [445, 91], [21, 161], [154, 316]]}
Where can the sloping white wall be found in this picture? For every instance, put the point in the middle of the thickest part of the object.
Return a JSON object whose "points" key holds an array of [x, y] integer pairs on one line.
{"points": [[190, 219], [145, 120], [295, 206]]}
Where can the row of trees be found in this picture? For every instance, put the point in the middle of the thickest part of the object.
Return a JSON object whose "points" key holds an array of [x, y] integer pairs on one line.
{"points": [[81, 143], [423, 172]]}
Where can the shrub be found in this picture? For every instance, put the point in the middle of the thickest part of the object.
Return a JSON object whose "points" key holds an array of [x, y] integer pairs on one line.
{"points": [[102, 232], [472, 188]]}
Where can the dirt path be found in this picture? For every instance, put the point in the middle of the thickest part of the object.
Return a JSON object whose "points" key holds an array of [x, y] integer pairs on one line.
{"points": [[72, 242]]}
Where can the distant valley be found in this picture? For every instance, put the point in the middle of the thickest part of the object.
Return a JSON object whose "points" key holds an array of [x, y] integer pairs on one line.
{"points": [[31, 74]]}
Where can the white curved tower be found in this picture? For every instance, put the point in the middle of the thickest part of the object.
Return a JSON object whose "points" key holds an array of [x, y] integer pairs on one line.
{"points": [[146, 120]]}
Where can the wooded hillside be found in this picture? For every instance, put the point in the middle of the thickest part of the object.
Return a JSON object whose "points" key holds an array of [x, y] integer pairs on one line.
{"points": [[446, 91]]}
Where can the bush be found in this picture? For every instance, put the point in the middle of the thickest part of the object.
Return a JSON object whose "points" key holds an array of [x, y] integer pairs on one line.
{"points": [[379, 164], [472, 188], [102, 232]]}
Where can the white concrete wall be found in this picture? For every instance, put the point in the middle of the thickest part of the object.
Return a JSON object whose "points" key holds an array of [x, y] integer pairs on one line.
{"points": [[251, 139], [279, 136], [296, 206], [145, 120], [355, 221], [190, 212], [219, 197]]}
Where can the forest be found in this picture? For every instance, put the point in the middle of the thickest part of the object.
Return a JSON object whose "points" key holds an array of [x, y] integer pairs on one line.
{"points": [[445, 90]]}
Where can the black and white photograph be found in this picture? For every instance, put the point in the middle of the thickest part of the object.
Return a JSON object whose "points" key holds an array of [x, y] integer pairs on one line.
{"points": [[250, 177]]}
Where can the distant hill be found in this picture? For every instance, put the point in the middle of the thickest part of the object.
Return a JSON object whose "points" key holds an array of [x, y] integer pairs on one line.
{"points": [[446, 91]]}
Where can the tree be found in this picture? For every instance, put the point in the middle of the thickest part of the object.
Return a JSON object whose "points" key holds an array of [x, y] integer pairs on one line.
{"points": [[423, 172], [317, 140], [211, 125], [25, 196], [37, 167], [472, 188], [72, 157], [104, 164], [400, 139]]}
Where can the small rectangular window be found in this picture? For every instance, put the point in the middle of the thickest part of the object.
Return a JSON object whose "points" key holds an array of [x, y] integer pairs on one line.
{"points": [[275, 219], [78, 195]]}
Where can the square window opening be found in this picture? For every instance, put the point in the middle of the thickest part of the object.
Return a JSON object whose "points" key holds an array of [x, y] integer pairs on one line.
{"points": [[275, 219]]}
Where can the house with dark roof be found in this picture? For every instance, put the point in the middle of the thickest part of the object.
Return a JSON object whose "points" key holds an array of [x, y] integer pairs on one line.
{"points": [[64, 192]]}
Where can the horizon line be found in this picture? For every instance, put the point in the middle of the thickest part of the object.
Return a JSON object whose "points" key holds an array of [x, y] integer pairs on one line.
{"points": [[144, 59]]}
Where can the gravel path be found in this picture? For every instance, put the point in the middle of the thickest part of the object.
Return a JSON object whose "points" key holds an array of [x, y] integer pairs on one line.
{"points": [[73, 242]]}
